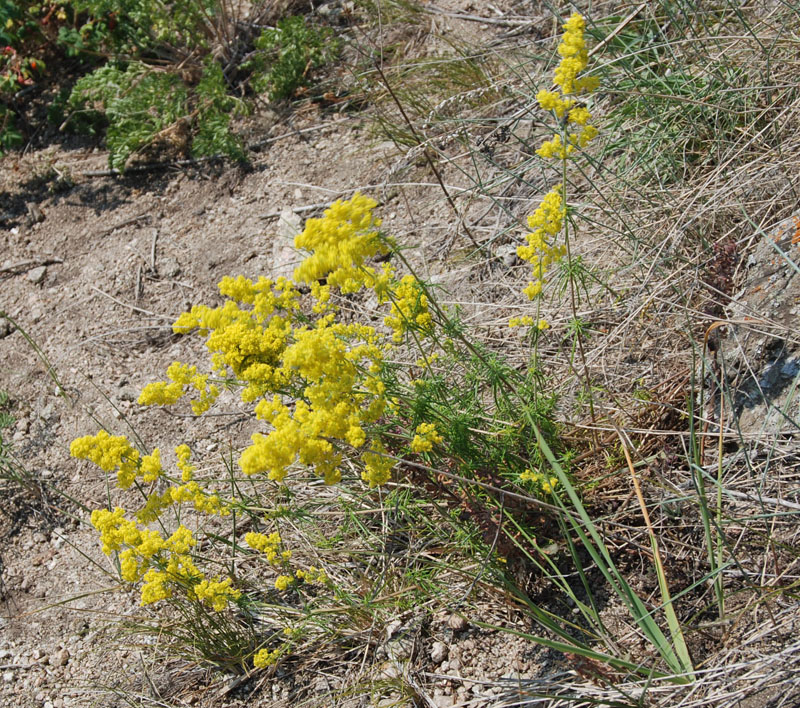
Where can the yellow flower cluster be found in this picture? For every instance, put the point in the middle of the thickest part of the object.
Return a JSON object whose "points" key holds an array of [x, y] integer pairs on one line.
{"points": [[541, 251], [377, 465], [266, 657], [312, 576], [216, 593], [528, 321], [340, 243], [269, 546], [109, 452], [426, 438], [163, 564], [248, 341], [409, 309], [545, 484], [182, 379], [574, 59], [335, 367]]}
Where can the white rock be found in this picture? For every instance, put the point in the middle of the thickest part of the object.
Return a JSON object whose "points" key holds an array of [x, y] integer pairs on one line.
{"points": [[438, 652], [36, 275]]}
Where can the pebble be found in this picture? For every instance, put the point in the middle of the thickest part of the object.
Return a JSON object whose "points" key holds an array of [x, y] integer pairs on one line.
{"points": [[457, 623], [36, 275], [60, 658], [8, 677], [438, 652]]}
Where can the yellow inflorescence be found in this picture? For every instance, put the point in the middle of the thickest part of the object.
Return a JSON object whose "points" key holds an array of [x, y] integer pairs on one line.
{"points": [[265, 657], [216, 593], [528, 321], [540, 250], [269, 546], [109, 452], [377, 466], [340, 243], [163, 564], [545, 484], [426, 438], [563, 103], [409, 309]]}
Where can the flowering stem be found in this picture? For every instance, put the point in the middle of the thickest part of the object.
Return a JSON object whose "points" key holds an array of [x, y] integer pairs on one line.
{"points": [[572, 298]]}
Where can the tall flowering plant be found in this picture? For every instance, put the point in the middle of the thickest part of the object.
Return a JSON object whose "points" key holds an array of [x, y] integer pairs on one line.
{"points": [[542, 248]]}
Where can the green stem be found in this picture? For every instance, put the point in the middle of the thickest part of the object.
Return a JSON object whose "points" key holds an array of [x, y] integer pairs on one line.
{"points": [[572, 298]]}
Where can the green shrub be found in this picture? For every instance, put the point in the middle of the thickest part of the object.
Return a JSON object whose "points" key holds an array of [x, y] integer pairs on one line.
{"points": [[170, 76], [149, 108], [285, 56]]}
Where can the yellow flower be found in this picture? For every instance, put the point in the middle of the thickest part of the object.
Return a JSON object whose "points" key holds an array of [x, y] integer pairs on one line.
{"points": [[524, 321], [409, 309], [426, 438], [216, 593], [340, 243], [268, 545], [540, 250], [151, 466], [377, 465], [265, 657], [283, 582], [574, 58], [109, 452]]}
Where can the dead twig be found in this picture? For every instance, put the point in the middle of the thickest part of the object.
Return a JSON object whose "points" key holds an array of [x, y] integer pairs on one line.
{"points": [[24, 266], [132, 307], [126, 222]]}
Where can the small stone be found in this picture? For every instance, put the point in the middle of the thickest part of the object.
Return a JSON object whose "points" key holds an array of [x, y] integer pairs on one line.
{"points": [[438, 652], [444, 701], [126, 393], [60, 658], [8, 677], [508, 255], [457, 623], [36, 275]]}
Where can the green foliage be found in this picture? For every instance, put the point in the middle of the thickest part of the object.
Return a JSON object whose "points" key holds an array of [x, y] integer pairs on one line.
{"points": [[149, 108], [6, 419], [285, 56], [9, 135], [143, 27], [168, 78]]}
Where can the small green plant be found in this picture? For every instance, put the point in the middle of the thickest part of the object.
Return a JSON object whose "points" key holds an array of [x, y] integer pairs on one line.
{"points": [[6, 418], [147, 108], [286, 55]]}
